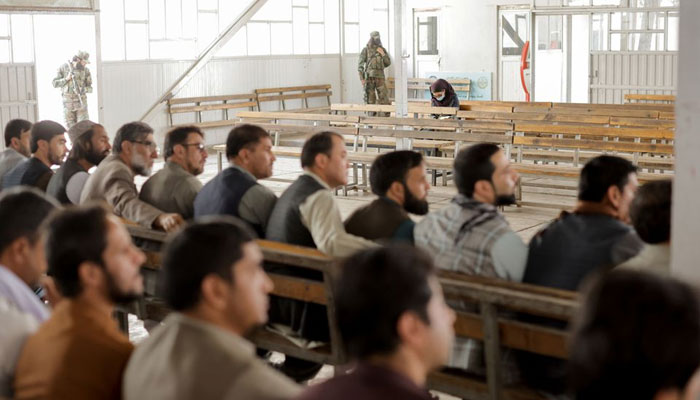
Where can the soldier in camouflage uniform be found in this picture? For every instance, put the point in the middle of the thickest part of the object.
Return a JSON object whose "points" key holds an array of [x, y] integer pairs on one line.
{"points": [[373, 59], [75, 82]]}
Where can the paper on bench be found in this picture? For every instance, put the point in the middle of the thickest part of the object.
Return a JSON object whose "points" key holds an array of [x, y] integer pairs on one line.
{"points": [[290, 335]]}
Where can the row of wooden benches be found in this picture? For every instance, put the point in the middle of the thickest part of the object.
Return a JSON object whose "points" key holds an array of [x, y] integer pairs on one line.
{"points": [[495, 325]]}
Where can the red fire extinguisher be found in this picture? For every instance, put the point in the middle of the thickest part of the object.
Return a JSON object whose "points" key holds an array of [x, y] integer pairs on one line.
{"points": [[523, 66]]}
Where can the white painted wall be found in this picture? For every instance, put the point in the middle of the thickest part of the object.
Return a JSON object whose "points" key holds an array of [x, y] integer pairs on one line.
{"points": [[130, 88]]}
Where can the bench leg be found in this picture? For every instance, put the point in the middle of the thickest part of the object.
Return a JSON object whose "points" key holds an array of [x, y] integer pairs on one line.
{"points": [[123, 321], [492, 350], [220, 160]]}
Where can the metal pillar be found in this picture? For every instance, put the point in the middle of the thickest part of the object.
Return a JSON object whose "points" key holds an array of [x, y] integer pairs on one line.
{"points": [[400, 68]]}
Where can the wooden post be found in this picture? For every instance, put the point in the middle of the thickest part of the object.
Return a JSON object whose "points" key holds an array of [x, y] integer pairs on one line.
{"points": [[492, 350]]}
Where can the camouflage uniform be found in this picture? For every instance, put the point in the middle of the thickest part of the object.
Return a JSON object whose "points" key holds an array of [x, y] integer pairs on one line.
{"points": [[74, 91], [371, 68]]}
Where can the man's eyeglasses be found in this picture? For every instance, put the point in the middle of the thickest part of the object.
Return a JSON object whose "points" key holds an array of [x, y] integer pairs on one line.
{"points": [[200, 146], [151, 145]]}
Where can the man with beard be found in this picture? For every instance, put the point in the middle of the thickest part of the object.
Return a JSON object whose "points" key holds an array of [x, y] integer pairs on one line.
{"points": [[48, 146], [90, 146], [373, 59], [235, 191], [173, 188], [471, 236], [75, 82], [113, 180], [17, 135], [399, 179], [79, 353]]}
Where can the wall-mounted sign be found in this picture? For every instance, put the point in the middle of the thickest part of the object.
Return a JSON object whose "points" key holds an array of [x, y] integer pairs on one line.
{"points": [[479, 87]]}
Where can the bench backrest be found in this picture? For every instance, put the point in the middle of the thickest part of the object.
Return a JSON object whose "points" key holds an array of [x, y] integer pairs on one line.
{"points": [[650, 98], [303, 93], [417, 87], [223, 103]]}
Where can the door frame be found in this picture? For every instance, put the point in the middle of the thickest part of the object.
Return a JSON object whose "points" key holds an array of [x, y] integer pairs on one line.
{"points": [[526, 8]]}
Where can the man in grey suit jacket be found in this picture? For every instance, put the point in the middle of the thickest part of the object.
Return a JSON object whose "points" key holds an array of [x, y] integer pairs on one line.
{"points": [[113, 180]]}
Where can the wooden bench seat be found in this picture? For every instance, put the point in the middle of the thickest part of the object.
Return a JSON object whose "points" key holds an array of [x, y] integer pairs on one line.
{"points": [[650, 98]]}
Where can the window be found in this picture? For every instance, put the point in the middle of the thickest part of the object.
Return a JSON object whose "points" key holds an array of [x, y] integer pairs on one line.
{"points": [[363, 17], [427, 35], [513, 32], [16, 38], [635, 31]]}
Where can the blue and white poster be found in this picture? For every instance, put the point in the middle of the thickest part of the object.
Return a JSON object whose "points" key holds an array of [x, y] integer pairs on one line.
{"points": [[479, 88]]}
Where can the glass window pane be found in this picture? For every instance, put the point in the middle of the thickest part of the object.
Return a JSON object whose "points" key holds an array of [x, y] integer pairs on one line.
{"points": [[352, 11], [300, 2], [173, 49], [258, 39], [316, 10], [229, 10], [599, 35], [607, 2], [275, 10], [211, 5], [618, 41], [316, 45], [645, 42], [22, 38], [281, 38], [380, 22], [657, 20], [332, 26], [301, 31], [135, 10], [352, 38], [4, 25], [136, 41], [4, 51], [672, 31], [616, 21], [112, 30], [235, 47], [156, 19], [189, 19], [173, 20], [381, 4], [208, 29]]}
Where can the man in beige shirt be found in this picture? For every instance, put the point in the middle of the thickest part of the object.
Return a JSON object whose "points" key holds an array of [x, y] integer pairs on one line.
{"points": [[113, 180], [174, 188], [200, 352]]}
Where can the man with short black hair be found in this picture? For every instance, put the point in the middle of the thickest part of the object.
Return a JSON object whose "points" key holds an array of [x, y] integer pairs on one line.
{"points": [[90, 146], [48, 146], [17, 136], [201, 351], [651, 216], [399, 179], [394, 321], [22, 210], [174, 188], [235, 191], [113, 180], [79, 353]]}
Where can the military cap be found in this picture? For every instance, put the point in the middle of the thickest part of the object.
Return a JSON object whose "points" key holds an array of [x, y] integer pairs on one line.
{"points": [[374, 34], [79, 129], [83, 55]]}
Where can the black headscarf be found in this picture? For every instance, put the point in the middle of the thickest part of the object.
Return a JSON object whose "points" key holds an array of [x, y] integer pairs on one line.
{"points": [[450, 95]]}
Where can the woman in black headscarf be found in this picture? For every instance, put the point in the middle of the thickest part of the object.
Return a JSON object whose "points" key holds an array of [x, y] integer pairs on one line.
{"points": [[443, 95]]}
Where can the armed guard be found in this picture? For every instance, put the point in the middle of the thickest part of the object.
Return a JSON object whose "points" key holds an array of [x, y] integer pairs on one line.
{"points": [[373, 59], [75, 82]]}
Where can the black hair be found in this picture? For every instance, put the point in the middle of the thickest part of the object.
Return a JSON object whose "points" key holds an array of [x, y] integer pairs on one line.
{"points": [[474, 164], [639, 333], [178, 136], [209, 246], [319, 143], [14, 129], [651, 211], [73, 236], [243, 136], [375, 288], [22, 211], [392, 167], [130, 132], [45, 130], [602, 172]]}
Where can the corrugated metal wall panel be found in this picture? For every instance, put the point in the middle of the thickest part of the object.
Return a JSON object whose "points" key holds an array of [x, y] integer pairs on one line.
{"points": [[17, 94], [618, 73], [131, 87]]}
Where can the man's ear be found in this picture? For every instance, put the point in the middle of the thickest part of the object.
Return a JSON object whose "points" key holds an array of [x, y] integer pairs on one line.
{"points": [[397, 189], [321, 160], [409, 328], [20, 247], [15, 142], [484, 188], [214, 291], [614, 195], [90, 274]]}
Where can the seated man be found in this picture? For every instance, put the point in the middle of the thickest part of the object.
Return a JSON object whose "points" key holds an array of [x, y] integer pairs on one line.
{"points": [[22, 211], [17, 136], [471, 236], [200, 352], [79, 353], [638, 338], [399, 179], [399, 328], [90, 146], [235, 190], [595, 235], [113, 180], [173, 188], [48, 146], [651, 216]]}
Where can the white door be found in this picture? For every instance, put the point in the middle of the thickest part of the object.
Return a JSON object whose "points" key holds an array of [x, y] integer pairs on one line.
{"points": [[425, 42], [514, 28]]}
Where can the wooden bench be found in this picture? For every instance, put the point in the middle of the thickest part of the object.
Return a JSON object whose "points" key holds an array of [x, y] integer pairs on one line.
{"points": [[198, 105], [494, 325], [650, 98], [417, 87], [302, 93]]}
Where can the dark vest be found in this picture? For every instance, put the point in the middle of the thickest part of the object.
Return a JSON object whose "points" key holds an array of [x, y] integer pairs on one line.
{"points": [[58, 182], [378, 220], [222, 195], [285, 223]]}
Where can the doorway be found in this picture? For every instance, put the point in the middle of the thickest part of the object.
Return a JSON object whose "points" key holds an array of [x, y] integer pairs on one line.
{"points": [[514, 28], [425, 42]]}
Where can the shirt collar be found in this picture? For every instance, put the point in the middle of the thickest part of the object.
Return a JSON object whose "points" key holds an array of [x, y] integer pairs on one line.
{"points": [[175, 167], [235, 343], [245, 171], [318, 179], [17, 292]]}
